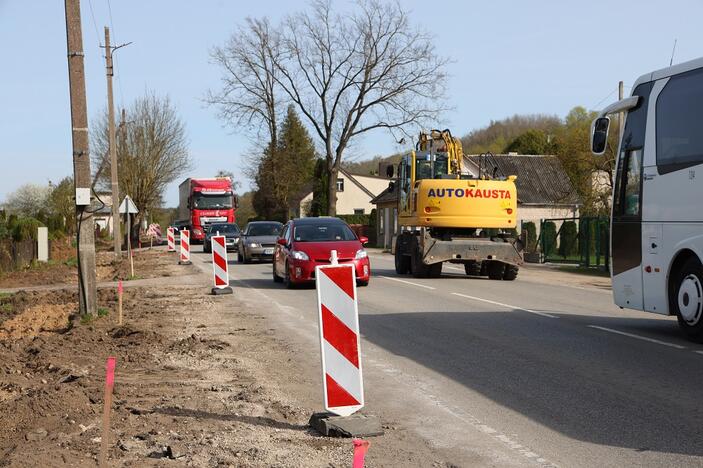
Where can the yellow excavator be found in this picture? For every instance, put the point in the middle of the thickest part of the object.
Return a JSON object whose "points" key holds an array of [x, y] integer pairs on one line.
{"points": [[447, 214]]}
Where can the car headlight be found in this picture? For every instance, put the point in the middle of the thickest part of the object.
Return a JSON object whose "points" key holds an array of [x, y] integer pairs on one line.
{"points": [[197, 231], [298, 255], [253, 245], [361, 253]]}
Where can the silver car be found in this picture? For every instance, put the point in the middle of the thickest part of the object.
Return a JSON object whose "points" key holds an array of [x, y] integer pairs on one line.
{"points": [[258, 240]]}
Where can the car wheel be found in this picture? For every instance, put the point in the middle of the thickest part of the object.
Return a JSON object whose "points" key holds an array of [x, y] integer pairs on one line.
{"points": [[686, 299], [287, 280], [276, 278]]}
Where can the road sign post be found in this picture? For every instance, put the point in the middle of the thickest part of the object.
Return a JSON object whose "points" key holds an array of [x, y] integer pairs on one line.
{"points": [[220, 266], [185, 248]]}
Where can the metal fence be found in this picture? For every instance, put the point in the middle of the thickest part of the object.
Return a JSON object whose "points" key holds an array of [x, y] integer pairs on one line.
{"points": [[584, 241]]}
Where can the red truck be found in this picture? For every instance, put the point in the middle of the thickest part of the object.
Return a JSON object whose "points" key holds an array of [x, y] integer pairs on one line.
{"points": [[205, 201]]}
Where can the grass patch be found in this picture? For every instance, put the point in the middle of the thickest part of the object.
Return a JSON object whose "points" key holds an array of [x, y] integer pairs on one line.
{"points": [[132, 278], [103, 312], [588, 271], [71, 262], [86, 319]]}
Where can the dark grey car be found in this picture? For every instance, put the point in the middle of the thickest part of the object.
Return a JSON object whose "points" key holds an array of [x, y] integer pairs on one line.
{"points": [[258, 240], [229, 230]]}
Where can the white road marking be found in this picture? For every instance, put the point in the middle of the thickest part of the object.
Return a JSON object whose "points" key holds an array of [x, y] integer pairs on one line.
{"points": [[631, 335], [407, 282], [508, 306], [698, 352]]}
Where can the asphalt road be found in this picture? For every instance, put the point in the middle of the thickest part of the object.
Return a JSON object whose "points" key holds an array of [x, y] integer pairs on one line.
{"points": [[517, 373]]}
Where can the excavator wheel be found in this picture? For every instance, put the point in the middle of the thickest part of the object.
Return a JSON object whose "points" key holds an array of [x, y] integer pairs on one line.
{"points": [[473, 268], [496, 270], [510, 273], [402, 262]]}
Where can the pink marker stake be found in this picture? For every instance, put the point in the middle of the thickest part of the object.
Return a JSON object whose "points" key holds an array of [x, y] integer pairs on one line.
{"points": [[360, 449], [120, 289], [109, 384]]}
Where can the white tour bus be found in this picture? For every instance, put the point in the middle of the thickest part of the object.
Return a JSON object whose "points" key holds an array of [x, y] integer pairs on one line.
{"points": [[657, 216]]}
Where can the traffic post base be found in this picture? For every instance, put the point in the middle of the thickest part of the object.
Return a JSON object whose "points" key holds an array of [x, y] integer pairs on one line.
{"points": [[356, 425], [221, 291], [185, 262]]}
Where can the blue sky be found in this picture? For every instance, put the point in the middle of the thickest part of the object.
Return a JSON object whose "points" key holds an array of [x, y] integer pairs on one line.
{"points": [[509, 57]]}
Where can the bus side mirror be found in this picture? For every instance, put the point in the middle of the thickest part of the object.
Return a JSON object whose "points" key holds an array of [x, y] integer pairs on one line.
{"points": [[599, 135], [235, 201], [390, 171]]}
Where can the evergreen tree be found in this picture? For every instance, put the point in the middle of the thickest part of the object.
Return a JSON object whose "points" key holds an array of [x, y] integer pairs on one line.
{"points": [[284, 170]]}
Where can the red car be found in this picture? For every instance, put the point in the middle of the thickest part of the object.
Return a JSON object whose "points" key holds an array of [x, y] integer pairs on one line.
{"points": [[307, 242]]}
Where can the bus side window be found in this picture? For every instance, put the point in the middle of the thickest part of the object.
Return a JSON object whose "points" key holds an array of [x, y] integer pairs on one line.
{"points": [[627, 197]]}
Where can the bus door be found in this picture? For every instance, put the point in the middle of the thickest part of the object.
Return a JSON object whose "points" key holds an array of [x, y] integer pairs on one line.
{"points": [[627, 231], [626, 226]]}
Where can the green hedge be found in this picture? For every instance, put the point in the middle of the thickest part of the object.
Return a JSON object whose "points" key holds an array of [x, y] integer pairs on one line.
{"points": [[364, 219], [531, 229], [568, 239], [549, 237]]}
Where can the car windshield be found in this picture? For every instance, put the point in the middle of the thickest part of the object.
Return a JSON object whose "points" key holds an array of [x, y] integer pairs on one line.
{"points": [[323, 233], [264, 229], [212, 202], [223, 229]]}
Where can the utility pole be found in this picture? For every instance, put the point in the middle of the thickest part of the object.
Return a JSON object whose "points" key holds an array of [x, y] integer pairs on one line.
{"points": [[87, 294], [123, 139], [117, 238]]}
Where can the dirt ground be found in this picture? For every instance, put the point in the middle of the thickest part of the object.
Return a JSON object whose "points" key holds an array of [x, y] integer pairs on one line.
{"points": [[199, 382], [147, 264]]}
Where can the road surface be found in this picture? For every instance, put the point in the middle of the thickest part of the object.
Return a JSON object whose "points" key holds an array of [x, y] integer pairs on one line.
{"points": [[516, 373]]}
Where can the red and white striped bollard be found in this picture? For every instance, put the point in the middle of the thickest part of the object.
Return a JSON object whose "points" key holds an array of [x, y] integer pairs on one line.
{"points": [[185, 248], [171, 240], [220, 266]]}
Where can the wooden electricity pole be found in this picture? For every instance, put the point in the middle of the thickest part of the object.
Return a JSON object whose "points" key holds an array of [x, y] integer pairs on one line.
{"points": [[81, 160], [117, 238]]}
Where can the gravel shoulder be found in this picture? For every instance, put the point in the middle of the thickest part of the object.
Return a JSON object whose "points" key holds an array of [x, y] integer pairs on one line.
{"points": [[200, 381]]}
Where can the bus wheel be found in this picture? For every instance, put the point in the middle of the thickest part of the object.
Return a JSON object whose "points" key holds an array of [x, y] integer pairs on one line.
{"points": [[687, 299]]}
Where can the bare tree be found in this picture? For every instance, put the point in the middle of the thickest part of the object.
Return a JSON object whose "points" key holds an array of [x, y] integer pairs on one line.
{"points": [[352, 74], [152, 151], [248, 98]]}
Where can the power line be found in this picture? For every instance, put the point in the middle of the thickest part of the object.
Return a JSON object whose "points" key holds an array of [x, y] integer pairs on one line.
{"points": [[95, 25], [604, 99]]}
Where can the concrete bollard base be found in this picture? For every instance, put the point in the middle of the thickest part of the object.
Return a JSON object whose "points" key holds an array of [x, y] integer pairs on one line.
{"points": [[356, 425], [221, 291]]}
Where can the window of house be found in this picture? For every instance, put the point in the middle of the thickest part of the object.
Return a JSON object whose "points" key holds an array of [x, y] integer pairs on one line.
{"points": [[340, 185], [358, 211]]}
